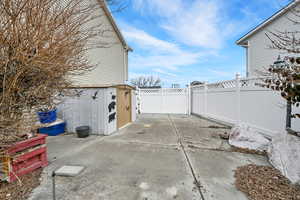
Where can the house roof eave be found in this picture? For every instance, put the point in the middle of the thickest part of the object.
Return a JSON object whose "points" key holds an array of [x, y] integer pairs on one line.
{"points": [[275, 16], [111, 19]]}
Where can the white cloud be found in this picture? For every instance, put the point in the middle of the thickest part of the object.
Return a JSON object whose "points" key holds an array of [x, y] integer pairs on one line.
{"points": [[204, 23], [146, 41], [222, 73], [197, 25], [194, 23], [164, 72], [168, 61], [157, 53], [197, 30]]}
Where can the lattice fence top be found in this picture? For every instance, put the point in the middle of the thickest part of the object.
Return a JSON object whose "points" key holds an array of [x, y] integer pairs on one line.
{"points": [[150, 91], [223, 84], [175, 90], [251, 82], [246, 82], [163, 91]]}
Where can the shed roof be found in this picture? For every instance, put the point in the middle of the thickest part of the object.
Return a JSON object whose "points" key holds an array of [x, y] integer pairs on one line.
{"points": [[102, 86]]}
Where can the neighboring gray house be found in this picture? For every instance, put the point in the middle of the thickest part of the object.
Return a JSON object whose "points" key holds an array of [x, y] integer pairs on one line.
{"points": [[259, 55]]}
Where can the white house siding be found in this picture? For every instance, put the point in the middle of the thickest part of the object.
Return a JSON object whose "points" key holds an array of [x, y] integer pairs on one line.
{"points": [[259, 55], [110, 62], [110, 69]]}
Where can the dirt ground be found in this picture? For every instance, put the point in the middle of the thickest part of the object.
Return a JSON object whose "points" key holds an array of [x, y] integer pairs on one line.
{"points": [[265, 183], [20, 190]]}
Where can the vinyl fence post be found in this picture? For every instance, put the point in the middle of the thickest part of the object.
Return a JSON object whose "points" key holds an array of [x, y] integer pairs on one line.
{"points": [[139, 101], [238, 98], [189, 100], [205, 99], [162, 100]]}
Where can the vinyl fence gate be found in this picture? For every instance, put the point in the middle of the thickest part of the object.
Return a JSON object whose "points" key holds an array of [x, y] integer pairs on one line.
{"points": [[164, 100]]}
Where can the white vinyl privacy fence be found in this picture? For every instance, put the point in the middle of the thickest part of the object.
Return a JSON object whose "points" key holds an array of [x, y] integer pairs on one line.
{"points": [[164, 100], [242, 101]]}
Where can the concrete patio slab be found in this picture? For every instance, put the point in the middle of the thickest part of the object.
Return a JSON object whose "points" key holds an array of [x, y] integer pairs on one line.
{"points": [[215, 172], [199, 132], [145, 161], [60, 146], [117, 171], [150, 128], [198, 121]]}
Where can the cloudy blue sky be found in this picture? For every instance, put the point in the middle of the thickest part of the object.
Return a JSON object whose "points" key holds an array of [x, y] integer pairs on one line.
{"points": [[186, 40]]}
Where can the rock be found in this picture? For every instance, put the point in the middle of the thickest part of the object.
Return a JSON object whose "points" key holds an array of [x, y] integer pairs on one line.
{"points": [[224, 136], [246, 137], [284, 155]]}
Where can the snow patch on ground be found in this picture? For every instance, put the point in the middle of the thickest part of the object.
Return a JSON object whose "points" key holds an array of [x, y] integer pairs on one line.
{"points": [[284, 155], [243, 136]]}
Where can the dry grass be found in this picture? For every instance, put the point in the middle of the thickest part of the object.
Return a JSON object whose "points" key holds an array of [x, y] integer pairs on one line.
{"points": [[20, 190]]}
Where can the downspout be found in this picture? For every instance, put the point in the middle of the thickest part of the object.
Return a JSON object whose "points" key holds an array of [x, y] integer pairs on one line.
{"points": [[246, 46], [125, 62], [127, 49], [124, 65]]}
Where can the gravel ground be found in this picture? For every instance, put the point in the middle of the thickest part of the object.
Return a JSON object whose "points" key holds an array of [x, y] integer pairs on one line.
{"points": [[20, 190], [265, 183]]}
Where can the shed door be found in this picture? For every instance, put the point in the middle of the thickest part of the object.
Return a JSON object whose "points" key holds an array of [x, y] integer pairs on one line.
{"points": [[124, 106]]}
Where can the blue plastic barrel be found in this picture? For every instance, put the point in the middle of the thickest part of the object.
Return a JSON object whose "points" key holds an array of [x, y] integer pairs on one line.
{"points": [[54, 130], [47, 117]]}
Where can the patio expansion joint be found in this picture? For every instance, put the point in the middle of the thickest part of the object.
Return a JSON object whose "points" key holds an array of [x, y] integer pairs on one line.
{"points": [[160, 145], [182, 146]]}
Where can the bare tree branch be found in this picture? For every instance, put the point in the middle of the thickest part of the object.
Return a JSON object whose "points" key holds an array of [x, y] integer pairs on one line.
{"points": [[42, 44], [146, 82]]}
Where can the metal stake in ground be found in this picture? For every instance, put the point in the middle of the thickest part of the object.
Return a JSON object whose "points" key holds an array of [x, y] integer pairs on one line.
{"points": [[53, 185]]}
